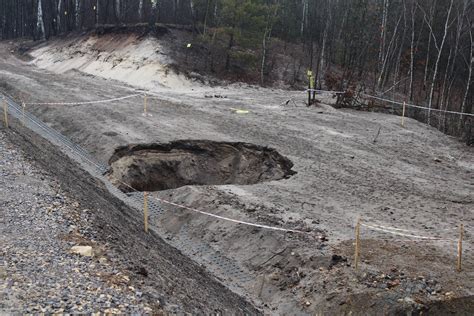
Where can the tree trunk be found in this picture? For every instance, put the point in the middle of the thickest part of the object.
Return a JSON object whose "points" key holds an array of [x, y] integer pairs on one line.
{"points": [[117, 10], [229, 48], [425, 78], [205, 17], [386, 57], [140, 10], [412, 50], [154, 14], [322, 57], [383, 32], [469, 81], [303, 17], [77, 12], [40, 21], [97, 12], [440, 50], [264, 54]]}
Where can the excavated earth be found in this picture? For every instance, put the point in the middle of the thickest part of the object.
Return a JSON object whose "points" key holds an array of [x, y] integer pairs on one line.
{"points": [[327, 168], [157, 167]]}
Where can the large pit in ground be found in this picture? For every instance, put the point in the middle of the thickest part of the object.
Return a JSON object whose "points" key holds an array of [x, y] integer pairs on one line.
{"points": [[156, 167]]}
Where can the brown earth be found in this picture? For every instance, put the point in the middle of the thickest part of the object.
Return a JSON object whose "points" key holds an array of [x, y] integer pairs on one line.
{"points": [[157, 167]]}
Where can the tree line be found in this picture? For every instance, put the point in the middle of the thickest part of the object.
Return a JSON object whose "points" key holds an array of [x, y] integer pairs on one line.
{"points": [[418, 50]]}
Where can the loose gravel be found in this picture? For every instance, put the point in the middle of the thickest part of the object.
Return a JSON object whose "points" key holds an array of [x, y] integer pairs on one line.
{"points": [[38, 226]]}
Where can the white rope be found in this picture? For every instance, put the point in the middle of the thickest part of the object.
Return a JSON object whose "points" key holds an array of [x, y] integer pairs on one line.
{"points": [[230, 219], [324, 91], [214, 215], [394, 102], [403, 234], [411, 230], [415, 106], [394, 228], [87, 102]]}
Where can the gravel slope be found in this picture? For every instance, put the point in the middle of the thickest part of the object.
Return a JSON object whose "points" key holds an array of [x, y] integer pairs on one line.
{"points": [[129, 272], [39, 225]]}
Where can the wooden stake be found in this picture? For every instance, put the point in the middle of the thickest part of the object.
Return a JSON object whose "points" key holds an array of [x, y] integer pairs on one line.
{"points": [[5, 112], [145, 105], [403, 114], [310, 75], [357, 245], [461, 235], [309, 97], [260, 290], [23, 108], [145, 210]]}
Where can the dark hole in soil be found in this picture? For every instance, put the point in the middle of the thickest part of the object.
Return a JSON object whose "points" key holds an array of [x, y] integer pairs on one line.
{"points": [[156, 167]]}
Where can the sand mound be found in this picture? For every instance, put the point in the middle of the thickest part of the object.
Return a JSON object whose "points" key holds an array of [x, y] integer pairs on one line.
{"points": [[140, 62]]}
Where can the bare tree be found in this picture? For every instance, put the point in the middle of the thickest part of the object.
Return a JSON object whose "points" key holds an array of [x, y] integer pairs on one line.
{"points": [[78, 13], [140, 10], [427, 61], [440, 51], [271, 15], [412, 48], [40, 21], [469, 79], [383, 32], [60, 9], [97, 12]]}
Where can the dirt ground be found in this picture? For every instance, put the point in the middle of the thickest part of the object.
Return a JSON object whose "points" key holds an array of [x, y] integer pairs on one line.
{"points": [[413, 178]]}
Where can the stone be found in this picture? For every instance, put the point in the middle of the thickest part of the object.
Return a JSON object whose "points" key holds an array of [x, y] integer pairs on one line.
{"points": [[103, 260], [85, 251]]}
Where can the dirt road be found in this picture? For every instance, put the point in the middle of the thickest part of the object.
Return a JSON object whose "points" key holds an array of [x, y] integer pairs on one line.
{"points": [[414, 178]]}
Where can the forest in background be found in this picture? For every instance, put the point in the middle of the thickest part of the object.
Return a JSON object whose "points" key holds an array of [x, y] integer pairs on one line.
{"points": [[419, 51]]}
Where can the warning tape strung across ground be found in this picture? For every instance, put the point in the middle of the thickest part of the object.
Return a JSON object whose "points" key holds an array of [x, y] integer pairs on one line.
{"points": [[410, 230], [415, 106], [308, 90], [403, 234], [394, 102], [414, 241], [324, 91], [387, 229], [230, 219], [215, 215], [392, 228], [86, 102]]}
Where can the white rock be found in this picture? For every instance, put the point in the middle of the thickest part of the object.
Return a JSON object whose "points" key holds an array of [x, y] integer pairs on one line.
{"points": [[82, 250]]}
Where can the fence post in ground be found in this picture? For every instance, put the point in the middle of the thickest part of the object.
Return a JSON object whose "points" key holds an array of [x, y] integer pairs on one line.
{"points": [[357, 245], [310, 75], [461, 235], [145, 101], [5, 111], [23, 106], [403, 114], [145, 210]]}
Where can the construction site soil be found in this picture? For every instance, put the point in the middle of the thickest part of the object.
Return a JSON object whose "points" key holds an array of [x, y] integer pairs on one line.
{"points": [[157, 167], [324, 171]]}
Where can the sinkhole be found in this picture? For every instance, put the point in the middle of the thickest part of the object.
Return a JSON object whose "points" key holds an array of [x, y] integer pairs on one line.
{"points": [[157, 167]]}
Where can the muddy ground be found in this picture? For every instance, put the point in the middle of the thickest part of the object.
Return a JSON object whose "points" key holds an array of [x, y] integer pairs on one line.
{"points": [[411, 178]]}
